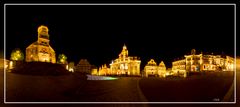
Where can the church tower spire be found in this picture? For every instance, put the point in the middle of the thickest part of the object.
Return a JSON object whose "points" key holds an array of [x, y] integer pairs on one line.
{"points": [[124, 53], [124, 46], [43, 36]]}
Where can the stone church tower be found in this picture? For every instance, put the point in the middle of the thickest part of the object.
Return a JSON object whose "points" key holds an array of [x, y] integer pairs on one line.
{"points": [[40, 50]]}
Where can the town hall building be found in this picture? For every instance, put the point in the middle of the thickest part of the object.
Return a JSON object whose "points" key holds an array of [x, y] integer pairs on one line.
{"points": [[123, 65]]}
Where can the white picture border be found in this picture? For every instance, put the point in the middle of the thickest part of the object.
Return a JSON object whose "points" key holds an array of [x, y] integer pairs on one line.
{"points": [[235, 96]]}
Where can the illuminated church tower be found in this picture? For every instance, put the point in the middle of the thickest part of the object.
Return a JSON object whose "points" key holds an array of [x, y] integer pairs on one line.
{"points": [[41, 50], [124, 54]]}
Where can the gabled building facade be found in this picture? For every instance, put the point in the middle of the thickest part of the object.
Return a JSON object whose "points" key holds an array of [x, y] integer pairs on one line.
{"points": [[152, 69], [41, 51], [123, 65]]}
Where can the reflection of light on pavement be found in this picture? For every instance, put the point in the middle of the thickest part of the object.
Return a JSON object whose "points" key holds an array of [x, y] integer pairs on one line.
{"points": [[92, 77], [109, 78]]}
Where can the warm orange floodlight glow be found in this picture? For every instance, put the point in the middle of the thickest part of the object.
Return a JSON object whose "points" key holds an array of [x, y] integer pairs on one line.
{"points": [[41, 50], [123, 65]]}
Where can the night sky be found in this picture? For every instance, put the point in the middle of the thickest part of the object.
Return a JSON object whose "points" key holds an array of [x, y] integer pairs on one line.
{"points": [[98, 33]]}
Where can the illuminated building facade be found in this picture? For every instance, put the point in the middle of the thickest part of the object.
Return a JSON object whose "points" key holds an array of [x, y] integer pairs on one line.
{"points": [[94, 70], [152, 69], [162, 69], [201, 62], [71, 67], [179, 65], [104, 70], [4, 63], [123, 65], [41, 50]]}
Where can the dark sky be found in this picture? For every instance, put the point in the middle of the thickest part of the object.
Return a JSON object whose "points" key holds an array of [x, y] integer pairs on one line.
{"points": [[98, 33]]}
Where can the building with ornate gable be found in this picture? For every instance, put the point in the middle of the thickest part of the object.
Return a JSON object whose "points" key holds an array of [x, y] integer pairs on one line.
{"points": [[123, 65], [152, 69], [41, 51]]}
